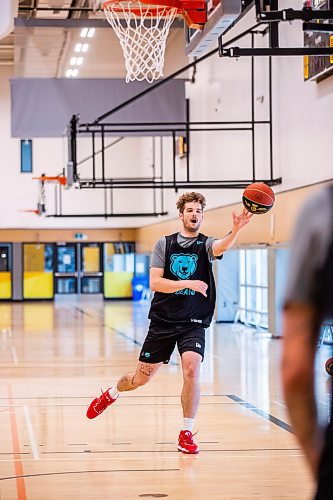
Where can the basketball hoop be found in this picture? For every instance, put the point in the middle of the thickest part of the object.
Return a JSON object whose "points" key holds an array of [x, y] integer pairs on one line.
{"points": [[143, 28], [59, 179]]}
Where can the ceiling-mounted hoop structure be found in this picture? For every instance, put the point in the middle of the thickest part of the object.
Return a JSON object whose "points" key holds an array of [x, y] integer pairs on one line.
{"points": [[142, 28], [59, 180], [268, 14]]}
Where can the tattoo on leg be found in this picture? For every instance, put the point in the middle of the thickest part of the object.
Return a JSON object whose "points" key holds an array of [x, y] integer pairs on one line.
{"points": [[146, 369]]}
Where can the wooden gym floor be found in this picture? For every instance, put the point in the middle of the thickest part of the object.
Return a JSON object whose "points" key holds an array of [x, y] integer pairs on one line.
{"points": [[56, 357]]}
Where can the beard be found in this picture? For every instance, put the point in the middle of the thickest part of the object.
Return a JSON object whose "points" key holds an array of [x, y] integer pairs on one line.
{"points": [[192, 227]]}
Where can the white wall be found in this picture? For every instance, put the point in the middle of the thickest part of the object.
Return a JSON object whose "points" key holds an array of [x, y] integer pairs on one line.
{"points": [[20, 192]]}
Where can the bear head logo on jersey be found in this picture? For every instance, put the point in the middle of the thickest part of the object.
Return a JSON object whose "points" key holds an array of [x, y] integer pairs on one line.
{"points": [[183, 265]]}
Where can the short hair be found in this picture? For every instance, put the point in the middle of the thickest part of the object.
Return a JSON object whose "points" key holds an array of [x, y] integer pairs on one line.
{"points": [[188, 198]]}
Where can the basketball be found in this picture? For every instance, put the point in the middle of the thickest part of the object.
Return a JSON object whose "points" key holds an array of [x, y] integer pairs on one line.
{"points": [[258, 198], [329, 366]]}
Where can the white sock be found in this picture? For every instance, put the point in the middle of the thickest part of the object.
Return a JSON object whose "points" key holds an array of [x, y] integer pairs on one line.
{"points": [[188, 424], [113, 392]]}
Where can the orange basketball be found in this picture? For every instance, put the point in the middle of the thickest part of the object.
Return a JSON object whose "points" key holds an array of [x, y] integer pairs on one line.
{"points": [[258, 198]]}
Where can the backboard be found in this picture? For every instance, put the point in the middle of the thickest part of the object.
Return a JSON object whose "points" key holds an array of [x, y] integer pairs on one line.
{"points": [[318, 67], [221, 14]]}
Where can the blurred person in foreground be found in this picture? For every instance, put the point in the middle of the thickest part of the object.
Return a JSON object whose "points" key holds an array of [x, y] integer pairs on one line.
{"points": [[308, 303]]}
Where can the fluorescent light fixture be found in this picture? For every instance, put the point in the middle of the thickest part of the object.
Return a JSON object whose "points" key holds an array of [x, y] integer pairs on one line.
{"points": [[91, 32], [84, 47], [69, 73], [73, 60], [84, 32], [75, 72], [78, 47], [79, 61]]}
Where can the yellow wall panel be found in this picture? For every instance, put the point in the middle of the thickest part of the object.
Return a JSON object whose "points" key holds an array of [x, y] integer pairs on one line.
{"points": [[5, 285], [37, 285], [34, 258], [91, 259], [118, 285]]}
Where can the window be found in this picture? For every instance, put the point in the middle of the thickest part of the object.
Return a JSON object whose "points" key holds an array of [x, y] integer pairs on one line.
{"points": [[4, 258], [253, 275], [26, 155]]}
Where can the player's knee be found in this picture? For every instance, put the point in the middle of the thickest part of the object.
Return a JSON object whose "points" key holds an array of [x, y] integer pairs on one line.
{"points": [[190, 371]]}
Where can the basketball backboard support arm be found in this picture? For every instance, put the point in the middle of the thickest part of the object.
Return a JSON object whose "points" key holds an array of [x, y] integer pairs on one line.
{"points": [[325, 28], [272, 18], [186, 128], [276, 51]]}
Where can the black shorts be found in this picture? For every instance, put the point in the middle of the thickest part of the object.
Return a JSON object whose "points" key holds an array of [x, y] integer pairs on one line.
{"points": [[162, 339]]}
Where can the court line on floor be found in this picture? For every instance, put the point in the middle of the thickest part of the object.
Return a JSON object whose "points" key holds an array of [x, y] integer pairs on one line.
{"points": [[264, 414], [121, 405], [14, 354], [99, 316], [280, 404], [127, 396], [86, 472], [20, 484], [127, 451], [203, 454], [33, 443]]}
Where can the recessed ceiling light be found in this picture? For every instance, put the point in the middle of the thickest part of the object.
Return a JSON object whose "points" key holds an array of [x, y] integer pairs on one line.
{"points": [[84, 32], [78, 47], [69, 73], [75, 72], [84, 47], [73, 60], [79, 61], [91, 32]]}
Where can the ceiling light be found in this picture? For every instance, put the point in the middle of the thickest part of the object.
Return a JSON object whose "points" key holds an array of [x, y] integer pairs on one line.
{"points": [[73, 61], [79, 61], [78, 47], [84, 47], [84, 32], [91, 32], [75, 72], [69, 73]]}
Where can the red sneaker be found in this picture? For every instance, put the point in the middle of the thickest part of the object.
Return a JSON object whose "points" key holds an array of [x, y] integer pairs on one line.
{"points": [[100, 404], [186, 443]]}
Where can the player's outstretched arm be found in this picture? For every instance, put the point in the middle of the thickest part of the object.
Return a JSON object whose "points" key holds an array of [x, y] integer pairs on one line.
{"points": [[238, 222]]}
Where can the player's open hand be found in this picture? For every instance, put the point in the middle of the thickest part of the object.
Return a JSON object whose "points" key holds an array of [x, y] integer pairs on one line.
{"points": [[199, 286], [242, 219]]}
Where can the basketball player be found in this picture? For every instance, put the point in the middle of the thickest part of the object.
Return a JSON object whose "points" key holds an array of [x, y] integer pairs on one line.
{"points": [[182, 308], [308, 302]]}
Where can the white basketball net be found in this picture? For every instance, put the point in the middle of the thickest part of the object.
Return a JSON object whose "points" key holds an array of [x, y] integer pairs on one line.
{"points": [[142, 37]]}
